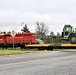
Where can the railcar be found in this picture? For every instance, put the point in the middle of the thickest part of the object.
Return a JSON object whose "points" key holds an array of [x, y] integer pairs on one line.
{"points": [[19, 40]]}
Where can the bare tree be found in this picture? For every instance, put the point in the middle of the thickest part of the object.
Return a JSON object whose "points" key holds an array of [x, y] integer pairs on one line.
{"points": [[41, 30]]}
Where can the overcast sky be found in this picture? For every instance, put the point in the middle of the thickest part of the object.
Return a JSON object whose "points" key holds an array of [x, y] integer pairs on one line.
{"points": [[54, 13]]}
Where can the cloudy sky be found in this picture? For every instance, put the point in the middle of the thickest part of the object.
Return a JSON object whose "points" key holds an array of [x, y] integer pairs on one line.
{"points": [[54, 13]]}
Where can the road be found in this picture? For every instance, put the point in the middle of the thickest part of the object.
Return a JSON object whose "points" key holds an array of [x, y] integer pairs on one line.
{"points": [[54, 63]]}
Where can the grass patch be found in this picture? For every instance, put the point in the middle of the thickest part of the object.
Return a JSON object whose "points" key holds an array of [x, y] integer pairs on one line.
{"points": [[12, 52]]}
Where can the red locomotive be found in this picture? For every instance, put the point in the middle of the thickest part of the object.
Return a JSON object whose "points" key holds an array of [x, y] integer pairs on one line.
{"points": [[20, 39]]}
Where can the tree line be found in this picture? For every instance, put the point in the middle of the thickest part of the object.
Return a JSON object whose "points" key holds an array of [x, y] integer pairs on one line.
{"points": [[42, 33]]}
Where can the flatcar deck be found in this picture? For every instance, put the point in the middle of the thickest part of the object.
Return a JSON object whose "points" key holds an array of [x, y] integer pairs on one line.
{"points": [[51, 46], [37, 45], [69, 45]]}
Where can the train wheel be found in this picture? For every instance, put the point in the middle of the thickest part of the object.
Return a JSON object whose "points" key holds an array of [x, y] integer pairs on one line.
{"points": [[72, 39], [22, 46]]}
